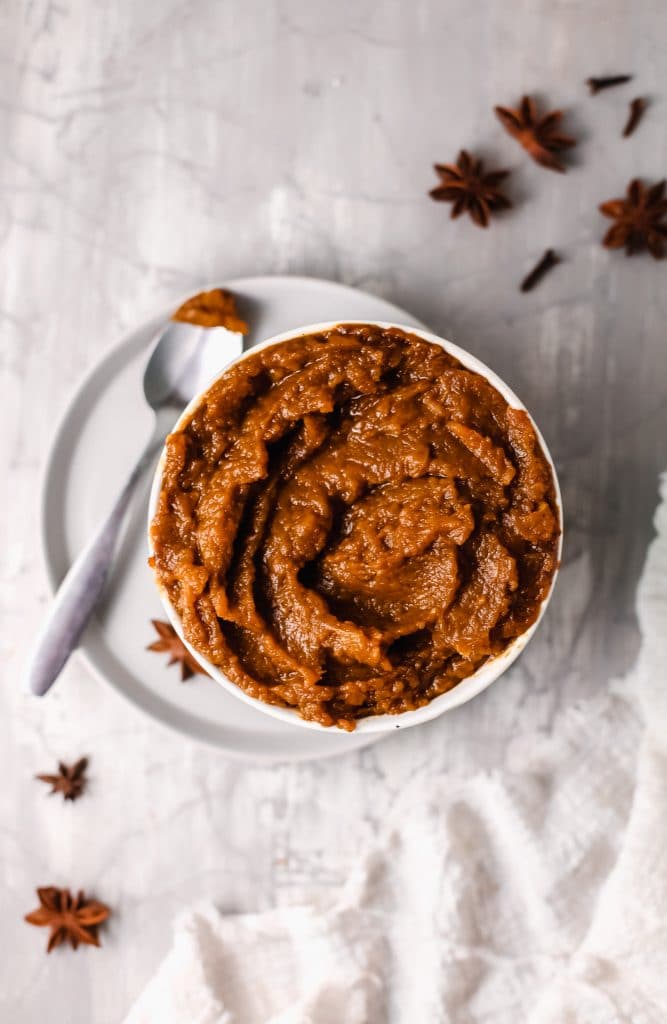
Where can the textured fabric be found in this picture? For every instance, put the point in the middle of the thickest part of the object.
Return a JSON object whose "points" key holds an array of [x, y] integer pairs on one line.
{"points": [[536, 894]]}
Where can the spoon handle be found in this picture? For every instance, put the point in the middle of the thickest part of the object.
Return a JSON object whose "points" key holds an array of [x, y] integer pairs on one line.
{"points": [[80, 590]]}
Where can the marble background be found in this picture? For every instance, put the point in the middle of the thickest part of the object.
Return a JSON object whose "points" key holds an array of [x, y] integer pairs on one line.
{"points": [[150, 147]]}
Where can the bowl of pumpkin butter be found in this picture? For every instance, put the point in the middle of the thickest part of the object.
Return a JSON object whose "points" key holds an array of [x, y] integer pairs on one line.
{"points": [[356, 526]]}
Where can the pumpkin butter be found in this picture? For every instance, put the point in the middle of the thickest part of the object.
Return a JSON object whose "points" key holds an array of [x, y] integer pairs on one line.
{"points": [[351, 522]]}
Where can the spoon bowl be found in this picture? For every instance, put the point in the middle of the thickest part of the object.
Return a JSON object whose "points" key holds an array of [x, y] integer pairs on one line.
{"points": [[183, 359]]}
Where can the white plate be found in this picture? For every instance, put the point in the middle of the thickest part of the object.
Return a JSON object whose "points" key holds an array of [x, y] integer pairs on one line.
{"points": [[101, 434]]}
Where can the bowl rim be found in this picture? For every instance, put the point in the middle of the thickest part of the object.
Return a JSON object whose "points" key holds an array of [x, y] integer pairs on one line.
{"points": [[464, 690]]}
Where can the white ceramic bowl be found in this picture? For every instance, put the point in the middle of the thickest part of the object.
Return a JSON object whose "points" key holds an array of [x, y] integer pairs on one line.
{"points": [[467, 688]]}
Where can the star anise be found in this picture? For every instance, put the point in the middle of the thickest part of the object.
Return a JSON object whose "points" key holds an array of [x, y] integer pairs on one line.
{"points": [[639, 219], [470, 188], [170, 643], [70, 780], [72, 919], [539, 136], [216, 308]]}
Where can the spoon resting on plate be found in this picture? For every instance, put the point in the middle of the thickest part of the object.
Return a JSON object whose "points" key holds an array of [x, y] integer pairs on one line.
{"points": [[186, 354]]}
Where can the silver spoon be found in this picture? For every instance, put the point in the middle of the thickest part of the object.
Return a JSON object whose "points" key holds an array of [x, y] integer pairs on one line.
{"points": [[183, 359]]}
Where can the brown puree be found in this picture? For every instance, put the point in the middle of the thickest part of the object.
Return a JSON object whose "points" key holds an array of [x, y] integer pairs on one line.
{"points": [[215, 308], [351, 522]]}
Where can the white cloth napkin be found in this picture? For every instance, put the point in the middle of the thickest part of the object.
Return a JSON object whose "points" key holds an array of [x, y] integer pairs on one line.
{"points": [[535, 895]]}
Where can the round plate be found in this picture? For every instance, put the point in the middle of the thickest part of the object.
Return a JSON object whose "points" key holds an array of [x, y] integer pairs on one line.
{"points": [[100, 436]]}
